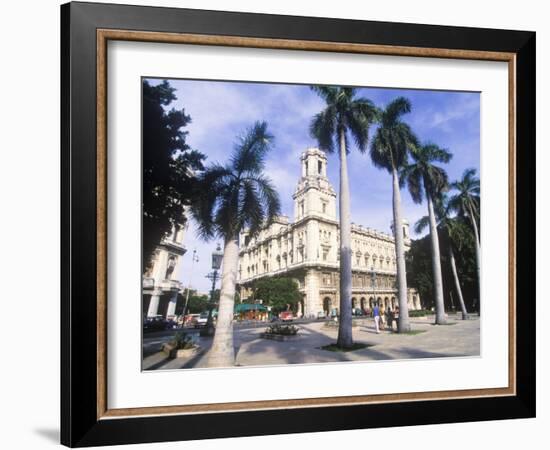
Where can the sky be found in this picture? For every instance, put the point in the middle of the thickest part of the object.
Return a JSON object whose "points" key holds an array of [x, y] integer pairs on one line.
{"points": [[222, 110]]}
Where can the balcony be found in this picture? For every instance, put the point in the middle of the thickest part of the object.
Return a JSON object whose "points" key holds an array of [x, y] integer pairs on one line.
{"points": [[176, 247], [170, 285], [148, 283]]}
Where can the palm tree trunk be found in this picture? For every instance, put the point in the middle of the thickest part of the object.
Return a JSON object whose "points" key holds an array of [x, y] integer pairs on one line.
{"points": [[478, 246], [436, 265], [345, 338], [457, 282], [222, 353], [403, 324]]}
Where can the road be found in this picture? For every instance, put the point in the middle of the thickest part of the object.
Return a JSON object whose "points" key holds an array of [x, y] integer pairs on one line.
{"points": [[459, 338]]}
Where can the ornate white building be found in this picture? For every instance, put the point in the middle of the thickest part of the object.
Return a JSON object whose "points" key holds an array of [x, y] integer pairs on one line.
{"points": [[160, 288], [308, 250]]}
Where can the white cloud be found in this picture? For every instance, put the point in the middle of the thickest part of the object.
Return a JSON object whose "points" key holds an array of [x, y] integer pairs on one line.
{"points": [[443, 117]]}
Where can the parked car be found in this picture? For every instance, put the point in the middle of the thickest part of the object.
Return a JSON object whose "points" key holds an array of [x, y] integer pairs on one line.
{"points": [[286, 316], [171, 322], [200, 321], [154, 323], [190, 319]]}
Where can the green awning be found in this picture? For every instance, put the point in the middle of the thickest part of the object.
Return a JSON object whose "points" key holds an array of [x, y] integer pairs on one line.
{"points": [[245, 307]]}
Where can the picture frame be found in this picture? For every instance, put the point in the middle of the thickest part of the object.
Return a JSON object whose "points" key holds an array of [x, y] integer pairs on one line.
{"points": [[86, 418]]}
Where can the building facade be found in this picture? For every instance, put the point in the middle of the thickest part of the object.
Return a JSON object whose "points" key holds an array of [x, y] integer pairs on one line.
{"points": [[307, 250], [160, 288]]}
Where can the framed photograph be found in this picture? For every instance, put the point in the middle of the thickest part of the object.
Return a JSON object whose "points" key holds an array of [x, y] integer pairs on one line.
{"points": [[276, 224]]}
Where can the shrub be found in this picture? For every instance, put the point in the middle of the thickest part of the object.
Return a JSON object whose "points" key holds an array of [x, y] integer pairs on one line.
{"points": [[285, 330], [419, 313], [182, 340]]}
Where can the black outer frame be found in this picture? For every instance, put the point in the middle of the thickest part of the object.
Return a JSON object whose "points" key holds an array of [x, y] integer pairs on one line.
{"points": [[79, 423]]}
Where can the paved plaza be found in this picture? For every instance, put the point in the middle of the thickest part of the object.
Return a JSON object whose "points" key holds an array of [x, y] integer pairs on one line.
{"points": [[459, 338]]}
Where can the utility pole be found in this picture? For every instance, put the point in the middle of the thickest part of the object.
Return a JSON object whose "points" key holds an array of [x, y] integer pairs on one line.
{"points": [[194, 259]]}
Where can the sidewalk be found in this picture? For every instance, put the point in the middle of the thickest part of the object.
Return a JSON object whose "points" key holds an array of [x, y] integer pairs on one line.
{"points": [[460, 338]]}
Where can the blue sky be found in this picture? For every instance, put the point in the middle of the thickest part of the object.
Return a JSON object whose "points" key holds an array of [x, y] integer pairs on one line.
{"points": [[449, 119]]}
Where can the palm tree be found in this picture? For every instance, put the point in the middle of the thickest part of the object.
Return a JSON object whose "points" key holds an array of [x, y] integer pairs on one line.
{"points": [[235, 196], [466, 202], [425, 178], [345, 115], [389, 150], [456, 237]]}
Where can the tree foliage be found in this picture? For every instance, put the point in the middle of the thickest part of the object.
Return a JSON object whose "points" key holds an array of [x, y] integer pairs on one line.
{"points": [[280, 293], [419, 269], [344, 112], [238, 195], [422, 175], [454, 231], [169, 184], [197, 302], [467, 201], [393, 138]]}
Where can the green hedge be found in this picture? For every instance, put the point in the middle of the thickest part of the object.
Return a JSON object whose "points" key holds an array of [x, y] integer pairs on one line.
{"points": [[419, 313]]}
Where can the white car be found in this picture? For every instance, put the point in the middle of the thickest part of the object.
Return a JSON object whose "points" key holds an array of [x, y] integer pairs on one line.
{"points": [[201, 321]]}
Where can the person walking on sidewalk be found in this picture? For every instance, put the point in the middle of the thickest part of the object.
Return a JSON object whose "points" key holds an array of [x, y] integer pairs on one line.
{"points": [[376, 314], [389, 318]]}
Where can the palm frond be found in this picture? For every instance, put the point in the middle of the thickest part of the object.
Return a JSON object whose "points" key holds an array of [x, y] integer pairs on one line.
{"points": [[359, 117], [394, 138], [380, 150], [415, 182], [323, 129], [269, 198], [468, 196], [250, 150], [238, 195], [328, 93], [434, 178], [421, 224], [394, 110], [211, 185], [251, 211], [344, 114], [436, 153]]}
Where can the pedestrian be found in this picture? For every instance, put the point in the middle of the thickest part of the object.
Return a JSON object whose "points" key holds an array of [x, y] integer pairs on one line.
{"points": [[376, 314], [389, 318]]}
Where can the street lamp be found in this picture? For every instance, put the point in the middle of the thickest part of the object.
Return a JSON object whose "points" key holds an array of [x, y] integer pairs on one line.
{"points": [[217, 256], [194, 259], [373, 280]]}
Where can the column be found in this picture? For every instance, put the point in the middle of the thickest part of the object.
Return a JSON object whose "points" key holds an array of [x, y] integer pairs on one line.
{"points": [[159, 270], [172, 304], [311, 306], [154, 304]]}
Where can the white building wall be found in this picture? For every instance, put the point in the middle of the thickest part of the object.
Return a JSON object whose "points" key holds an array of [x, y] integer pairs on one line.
{"points": [[314, 231]]}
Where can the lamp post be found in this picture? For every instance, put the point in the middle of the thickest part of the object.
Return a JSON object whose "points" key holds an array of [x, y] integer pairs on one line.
{"points": [[194, 259], [217, 256], [373, 280]]}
